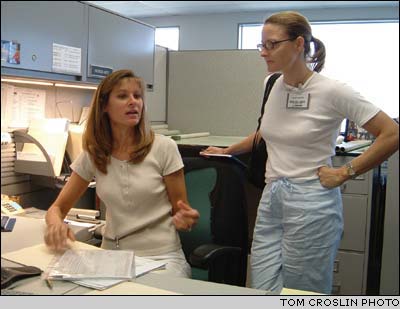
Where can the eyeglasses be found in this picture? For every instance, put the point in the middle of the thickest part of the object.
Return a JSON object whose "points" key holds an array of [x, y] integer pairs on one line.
{"points": [[269, 45]]}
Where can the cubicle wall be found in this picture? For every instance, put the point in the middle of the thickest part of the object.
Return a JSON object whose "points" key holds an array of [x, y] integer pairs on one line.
{"points": [[156, 100], [215, 91]]}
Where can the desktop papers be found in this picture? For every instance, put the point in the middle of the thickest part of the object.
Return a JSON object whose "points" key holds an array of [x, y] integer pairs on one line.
{"points": [[40, 256], [92, 264], [142, 266]]}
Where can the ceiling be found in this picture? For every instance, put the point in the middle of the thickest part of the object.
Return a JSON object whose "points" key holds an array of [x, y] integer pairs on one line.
{"points": [[137, 9]]}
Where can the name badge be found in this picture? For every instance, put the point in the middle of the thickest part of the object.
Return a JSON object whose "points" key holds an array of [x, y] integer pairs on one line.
{"points": [[298, 100]]}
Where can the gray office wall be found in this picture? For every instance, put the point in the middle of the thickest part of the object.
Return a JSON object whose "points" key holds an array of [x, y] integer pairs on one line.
{"points": [[219, 31], [156, 99], [215, 91]]}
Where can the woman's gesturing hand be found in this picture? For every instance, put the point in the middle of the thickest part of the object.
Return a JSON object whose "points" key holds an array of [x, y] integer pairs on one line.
{"points": [[186, 217]]}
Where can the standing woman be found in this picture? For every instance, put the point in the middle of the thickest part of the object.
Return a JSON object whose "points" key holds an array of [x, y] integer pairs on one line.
{"points": [[299, 221], [139, 177]]}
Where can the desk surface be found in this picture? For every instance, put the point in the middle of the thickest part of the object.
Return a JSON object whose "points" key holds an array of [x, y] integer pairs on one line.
{"points": [[218, 141], [29, 232]]}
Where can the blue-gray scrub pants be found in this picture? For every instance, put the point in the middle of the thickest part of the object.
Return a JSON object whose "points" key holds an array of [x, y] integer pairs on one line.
{"points": [[297, 233]]}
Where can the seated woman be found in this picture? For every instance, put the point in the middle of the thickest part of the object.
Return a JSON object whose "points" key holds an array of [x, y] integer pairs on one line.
{"points": [[139, 177]]}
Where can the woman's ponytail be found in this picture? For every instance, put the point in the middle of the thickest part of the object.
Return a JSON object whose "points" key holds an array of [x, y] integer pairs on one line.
{"points": [[317, 59]]}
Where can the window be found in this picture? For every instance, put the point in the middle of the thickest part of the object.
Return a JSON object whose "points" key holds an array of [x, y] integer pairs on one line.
{"points": [[168, 37], [364, 55], [249, 36]]}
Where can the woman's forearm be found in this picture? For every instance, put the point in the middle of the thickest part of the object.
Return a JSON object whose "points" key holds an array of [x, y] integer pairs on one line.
{"points": [[54, 215], [241, 147], [382, 148]]}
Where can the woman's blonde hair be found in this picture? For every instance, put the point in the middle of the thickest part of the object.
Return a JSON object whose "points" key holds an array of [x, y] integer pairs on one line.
{"points": [[98, 139], [297, 25]]}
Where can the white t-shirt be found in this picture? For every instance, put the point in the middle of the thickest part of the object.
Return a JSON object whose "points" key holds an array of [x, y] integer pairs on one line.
{"points": [[138, 211], [299, 140]]}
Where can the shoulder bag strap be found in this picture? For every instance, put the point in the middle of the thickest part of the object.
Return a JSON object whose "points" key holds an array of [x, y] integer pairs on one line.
{"points": [[268, 87]]}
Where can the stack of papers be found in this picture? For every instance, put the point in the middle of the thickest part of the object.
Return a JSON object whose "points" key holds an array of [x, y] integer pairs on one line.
{"points": [[98, 269], [40, 256], [142, 266], [92, 264]]}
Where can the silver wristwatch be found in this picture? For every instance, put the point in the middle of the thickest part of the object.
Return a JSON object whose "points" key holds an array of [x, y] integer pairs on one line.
{"points": [[350, 170]]}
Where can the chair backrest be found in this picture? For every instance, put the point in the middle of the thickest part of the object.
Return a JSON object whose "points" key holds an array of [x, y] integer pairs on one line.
{"points": [[199, 184], [216, 189]]}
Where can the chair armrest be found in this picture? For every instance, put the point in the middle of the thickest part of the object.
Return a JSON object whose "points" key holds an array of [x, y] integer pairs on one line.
{"points": [[204, 255]]}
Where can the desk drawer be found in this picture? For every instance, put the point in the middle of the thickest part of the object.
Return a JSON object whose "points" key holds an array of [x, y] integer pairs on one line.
{"points": [[348, 274], [360, 185], [355, 222]]}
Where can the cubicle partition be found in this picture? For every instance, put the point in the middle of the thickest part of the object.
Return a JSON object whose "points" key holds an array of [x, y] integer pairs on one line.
{"points": [[215, 91]]}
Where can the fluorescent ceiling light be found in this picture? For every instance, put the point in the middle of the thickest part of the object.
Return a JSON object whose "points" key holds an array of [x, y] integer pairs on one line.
{"points": [[31, 82], [75, 86]]}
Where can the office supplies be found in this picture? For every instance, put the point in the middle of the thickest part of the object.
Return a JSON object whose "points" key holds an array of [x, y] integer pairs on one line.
{"points": [[352, 145], [91, 264], [80, 211], [40, 255], [44, 147], [142, 266], [81, 224], [190, 135], [9, 207], [222, 156], [86, 219], [4, 220], [9, 275], [216, 155], [5, 138], [7, 223], [49, 284]]}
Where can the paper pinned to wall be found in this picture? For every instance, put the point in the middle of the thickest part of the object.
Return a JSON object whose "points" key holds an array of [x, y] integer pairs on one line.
{"points": [[67, 59], [21, 105]]}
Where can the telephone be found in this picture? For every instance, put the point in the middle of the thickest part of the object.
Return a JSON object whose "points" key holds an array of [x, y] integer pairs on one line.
{"points": [[11, 208]]}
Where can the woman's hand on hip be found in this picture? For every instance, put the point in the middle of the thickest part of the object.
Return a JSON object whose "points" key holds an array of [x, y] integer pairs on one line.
{"points": [[330, 177]]}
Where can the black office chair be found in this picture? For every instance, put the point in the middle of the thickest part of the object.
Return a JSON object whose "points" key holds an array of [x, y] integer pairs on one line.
{"points": [[217, 247]]}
